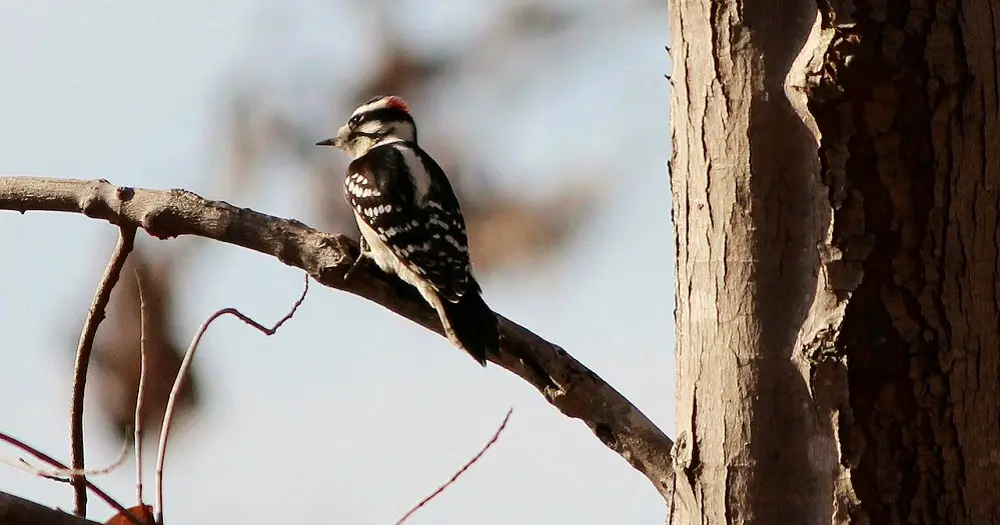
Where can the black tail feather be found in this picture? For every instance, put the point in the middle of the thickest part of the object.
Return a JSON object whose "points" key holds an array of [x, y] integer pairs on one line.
{"points": [[471, 325]]}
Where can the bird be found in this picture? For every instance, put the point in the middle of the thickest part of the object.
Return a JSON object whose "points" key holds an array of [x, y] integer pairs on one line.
{"points": [[411, 222]]}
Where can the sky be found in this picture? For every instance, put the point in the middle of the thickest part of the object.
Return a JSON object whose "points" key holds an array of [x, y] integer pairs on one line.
{"points": [[349, 414]]}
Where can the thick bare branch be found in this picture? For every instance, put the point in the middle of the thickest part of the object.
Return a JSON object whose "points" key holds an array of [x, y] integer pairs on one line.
{"points": [[18, 511], [126, 238], [577, 392]]}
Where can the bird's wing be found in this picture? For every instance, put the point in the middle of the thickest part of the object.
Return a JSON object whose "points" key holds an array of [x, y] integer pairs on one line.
{"points": [[428, 234]]}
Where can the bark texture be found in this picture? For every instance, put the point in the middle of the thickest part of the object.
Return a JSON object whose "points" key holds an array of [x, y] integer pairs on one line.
{"points": [[907, 107], [835, 193], [746, 205], [745, 196]]}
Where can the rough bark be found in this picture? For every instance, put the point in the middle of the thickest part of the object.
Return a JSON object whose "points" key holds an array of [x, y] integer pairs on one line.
{"points": [[570, 386], [746, 207], [910, 138], [835, 197]]}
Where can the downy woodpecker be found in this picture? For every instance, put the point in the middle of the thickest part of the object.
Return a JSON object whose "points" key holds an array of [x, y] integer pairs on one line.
{"points": [[410, 220]]}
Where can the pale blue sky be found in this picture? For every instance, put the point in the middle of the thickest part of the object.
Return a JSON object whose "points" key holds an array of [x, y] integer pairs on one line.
{"points": [[349, 414]]}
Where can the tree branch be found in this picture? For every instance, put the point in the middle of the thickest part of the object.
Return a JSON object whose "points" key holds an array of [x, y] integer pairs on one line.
{"points": [[141, 388], [571, 387], [19, 511], [126, 238]]}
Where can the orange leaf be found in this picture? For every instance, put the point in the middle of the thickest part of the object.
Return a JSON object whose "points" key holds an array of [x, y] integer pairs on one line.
{"points": [[143, 512]]}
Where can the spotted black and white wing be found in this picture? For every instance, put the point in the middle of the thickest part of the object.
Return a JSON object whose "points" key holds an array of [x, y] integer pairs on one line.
{"points": [[402, 194]]}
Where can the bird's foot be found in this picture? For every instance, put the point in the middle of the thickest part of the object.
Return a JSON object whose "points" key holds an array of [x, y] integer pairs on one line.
{"points": [[359, 262]]}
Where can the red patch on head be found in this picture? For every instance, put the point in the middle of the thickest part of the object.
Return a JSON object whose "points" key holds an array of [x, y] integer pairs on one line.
{"points": [[398, 103]]}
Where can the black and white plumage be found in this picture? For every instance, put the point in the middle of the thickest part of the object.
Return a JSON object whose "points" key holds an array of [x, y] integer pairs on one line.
{"points": [[411, 222]]}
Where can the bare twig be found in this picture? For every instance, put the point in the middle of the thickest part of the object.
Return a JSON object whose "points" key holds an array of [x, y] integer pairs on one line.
{"points": [[25, 466], [137, 426], [579, 392], [182, 375], [432, 495], [126, 238], [59, 465], [57, 474]]}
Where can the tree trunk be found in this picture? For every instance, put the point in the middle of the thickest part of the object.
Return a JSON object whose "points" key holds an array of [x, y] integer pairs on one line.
{"points": [[836, 204]]}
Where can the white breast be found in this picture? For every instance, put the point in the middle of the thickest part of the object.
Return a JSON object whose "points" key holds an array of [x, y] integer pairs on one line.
{"points": [[384, 257]]}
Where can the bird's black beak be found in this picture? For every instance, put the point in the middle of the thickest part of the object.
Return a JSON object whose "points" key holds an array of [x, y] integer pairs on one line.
{"points": [[327, 142]]}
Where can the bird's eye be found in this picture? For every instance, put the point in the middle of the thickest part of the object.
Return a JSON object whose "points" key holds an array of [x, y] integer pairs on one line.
{"points": [[356, 119]]}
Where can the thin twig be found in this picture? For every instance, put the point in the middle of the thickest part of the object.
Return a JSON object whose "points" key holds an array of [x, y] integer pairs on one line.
{"points": [[59, 465], [182, 376], [126, 239], [137, 439], [496, 436], [58, 474], [24, 466]]}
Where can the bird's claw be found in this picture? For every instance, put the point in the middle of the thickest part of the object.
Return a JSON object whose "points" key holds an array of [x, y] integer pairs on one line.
{"points": [[357, 264]]}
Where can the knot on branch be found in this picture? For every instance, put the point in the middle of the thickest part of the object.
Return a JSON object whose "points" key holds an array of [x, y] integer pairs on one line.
{"points": [[124, 193], [92, 202], [343, 251], [606, 435], [163, 222]]}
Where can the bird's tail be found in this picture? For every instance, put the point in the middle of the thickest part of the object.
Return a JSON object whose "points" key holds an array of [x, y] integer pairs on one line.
{"points": [[471, 325]]}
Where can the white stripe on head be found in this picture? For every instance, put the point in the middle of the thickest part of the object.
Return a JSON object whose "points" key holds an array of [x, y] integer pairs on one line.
{"points": [[371, 126], [381, 103]]}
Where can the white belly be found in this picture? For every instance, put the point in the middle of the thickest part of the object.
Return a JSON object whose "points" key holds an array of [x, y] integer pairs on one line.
{"points": [[384, 257]]}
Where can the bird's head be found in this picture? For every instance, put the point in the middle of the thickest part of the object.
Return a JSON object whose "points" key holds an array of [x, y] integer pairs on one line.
{"points": [[380, 120]]}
